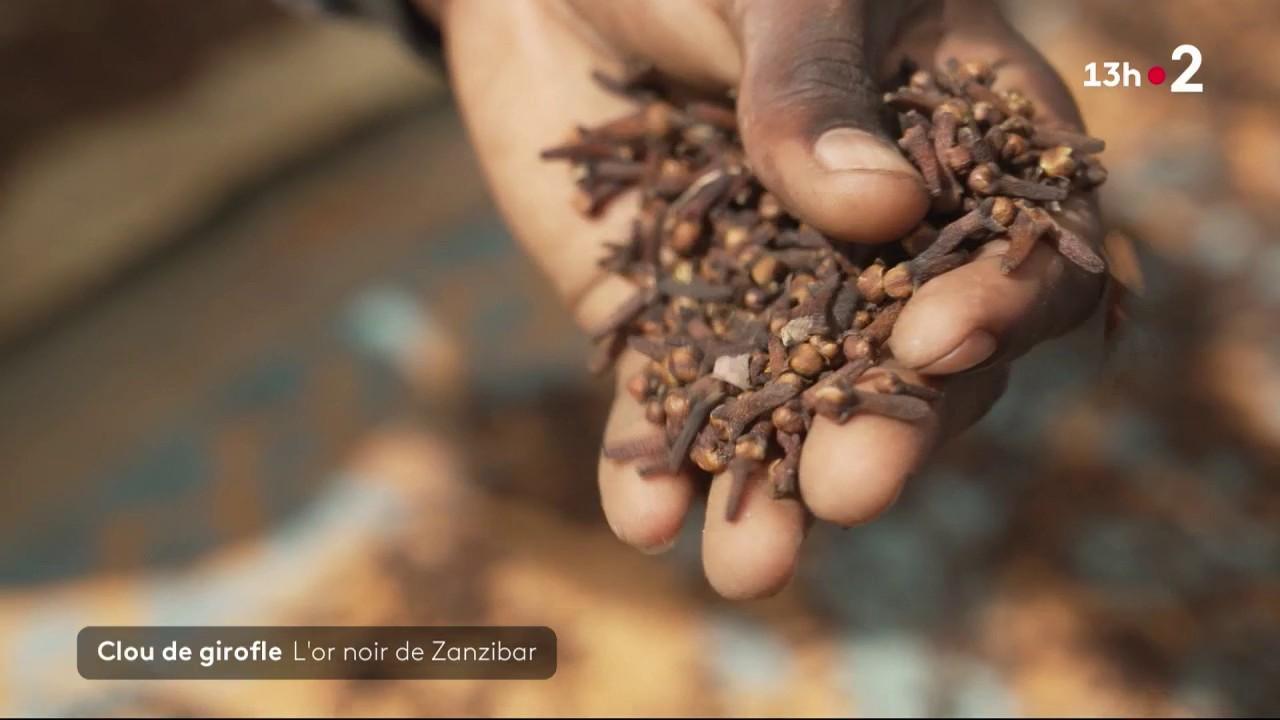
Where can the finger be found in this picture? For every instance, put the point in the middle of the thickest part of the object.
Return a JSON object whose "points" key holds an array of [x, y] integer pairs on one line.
{"points": [[513, 110], [851, 473], [977, 314], [753, 555], [643, 511], [810, 114]]}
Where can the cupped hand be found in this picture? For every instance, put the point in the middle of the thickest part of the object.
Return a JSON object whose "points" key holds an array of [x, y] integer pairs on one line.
{"points": [[807, 76]]}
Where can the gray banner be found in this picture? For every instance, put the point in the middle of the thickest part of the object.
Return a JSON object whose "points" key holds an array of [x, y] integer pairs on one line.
{"points": [[278, 653]]}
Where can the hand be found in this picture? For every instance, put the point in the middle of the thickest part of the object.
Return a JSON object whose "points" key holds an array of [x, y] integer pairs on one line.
{"points": [[807, 75]]}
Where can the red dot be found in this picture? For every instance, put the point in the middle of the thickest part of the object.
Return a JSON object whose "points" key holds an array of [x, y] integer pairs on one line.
{"points": [[1156, 75]]}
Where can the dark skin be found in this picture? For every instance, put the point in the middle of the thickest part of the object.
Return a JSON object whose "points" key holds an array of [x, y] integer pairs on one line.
{"points": [[806, 73]]}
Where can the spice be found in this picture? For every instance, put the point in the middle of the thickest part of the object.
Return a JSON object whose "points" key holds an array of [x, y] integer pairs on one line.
{"points": [[755, 323]]}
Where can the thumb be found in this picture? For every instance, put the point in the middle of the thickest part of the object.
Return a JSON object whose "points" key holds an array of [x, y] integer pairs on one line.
{"points": [[809, 111]]}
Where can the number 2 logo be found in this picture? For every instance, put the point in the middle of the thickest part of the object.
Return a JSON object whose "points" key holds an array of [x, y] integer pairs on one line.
{"points": [[1183, 84]]}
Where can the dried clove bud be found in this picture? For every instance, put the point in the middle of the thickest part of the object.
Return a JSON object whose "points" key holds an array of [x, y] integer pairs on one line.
{"points": [[806, 360], [898, 283], [683, 363], [1057, 161], [649, 446], [989, 180], [975, 221], [1026, 229], [920, 239], [915, 141], [765, 270], [1002, 211], [871, 283], [788, 417]]}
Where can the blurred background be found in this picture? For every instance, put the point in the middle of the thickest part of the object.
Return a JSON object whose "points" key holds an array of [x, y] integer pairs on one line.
{"points": [[267, 356]]}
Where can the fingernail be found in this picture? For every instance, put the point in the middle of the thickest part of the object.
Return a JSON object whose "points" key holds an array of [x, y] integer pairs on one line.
{"points": [[849, 149], [974, 349], [660, 547]]}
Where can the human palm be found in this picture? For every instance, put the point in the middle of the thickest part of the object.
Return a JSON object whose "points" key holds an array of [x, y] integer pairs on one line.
{"points": [[807, 75]]}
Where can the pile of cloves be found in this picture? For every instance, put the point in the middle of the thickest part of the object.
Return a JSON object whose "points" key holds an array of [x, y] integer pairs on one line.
{"points": [[753, 322]]}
